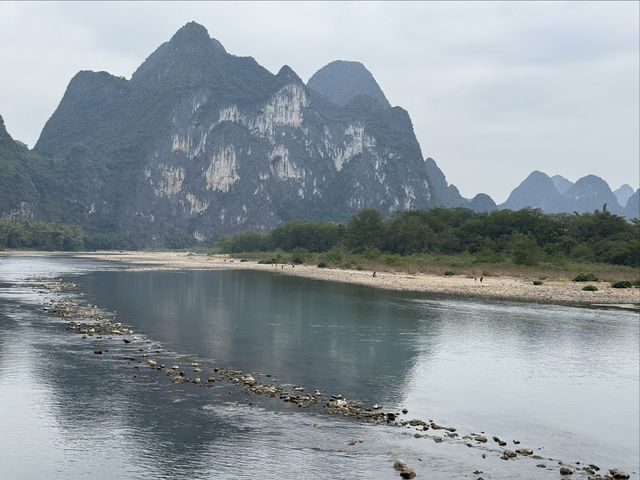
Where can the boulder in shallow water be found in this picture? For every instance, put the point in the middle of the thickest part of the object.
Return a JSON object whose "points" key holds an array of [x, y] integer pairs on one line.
{"points": [[399, 464], [565, 470], [407, 472], [507, 454], [618, 474]]}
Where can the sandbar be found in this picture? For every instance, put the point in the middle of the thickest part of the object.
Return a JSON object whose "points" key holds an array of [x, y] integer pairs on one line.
{"points": [[503, 287]]}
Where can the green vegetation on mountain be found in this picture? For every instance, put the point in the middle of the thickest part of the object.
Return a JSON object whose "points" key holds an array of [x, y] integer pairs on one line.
{"points": [[17, 234]]}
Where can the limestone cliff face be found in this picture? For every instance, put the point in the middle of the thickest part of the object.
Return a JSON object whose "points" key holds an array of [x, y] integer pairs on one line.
{"points": [[207, 143]]}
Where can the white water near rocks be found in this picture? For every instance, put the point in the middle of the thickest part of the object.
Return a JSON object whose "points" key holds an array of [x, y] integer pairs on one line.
{"points": [[562, 379]]}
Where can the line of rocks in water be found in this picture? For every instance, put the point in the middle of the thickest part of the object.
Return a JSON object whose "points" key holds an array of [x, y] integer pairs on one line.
{"points": [[53, 284], [90, 321]]}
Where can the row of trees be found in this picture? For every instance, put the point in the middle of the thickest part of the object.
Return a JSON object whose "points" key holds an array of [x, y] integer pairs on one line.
{"points": [[40, 235], [525, 237]]}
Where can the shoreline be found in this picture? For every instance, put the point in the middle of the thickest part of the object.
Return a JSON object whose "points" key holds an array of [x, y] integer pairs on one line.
{"points": [[460, 286]]}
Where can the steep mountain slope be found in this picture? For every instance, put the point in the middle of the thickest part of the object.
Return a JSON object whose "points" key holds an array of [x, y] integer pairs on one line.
{"points": [[443, 194], [482, 203], [561, 184], [588, 194], [536, 191], [632, 209], [20, 171], [623, 194], [204, 142], [341, 82]]}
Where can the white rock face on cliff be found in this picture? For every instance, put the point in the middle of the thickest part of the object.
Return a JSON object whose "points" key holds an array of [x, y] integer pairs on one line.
{"points": [[170, 183], [223, 170], [284, 109]]}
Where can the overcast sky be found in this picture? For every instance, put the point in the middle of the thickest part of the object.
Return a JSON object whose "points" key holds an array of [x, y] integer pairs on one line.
{"points": [[495, 90]]}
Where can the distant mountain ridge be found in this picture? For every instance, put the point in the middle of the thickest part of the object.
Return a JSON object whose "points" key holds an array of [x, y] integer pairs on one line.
{"points": [[557, 194]]}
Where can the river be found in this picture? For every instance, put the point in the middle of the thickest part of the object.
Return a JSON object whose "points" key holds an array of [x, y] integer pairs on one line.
{"points": [[562, 380]]}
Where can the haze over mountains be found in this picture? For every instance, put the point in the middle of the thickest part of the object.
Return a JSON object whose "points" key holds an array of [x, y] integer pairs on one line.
{"points": [[201, 143]]}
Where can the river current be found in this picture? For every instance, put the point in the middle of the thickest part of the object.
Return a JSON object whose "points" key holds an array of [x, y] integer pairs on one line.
{"points": [[562, 380]]}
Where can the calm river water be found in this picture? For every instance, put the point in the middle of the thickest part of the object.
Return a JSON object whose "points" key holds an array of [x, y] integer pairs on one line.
{"points": [[562, 380]]}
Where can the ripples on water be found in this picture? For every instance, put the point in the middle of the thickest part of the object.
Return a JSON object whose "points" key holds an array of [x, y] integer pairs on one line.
{"points": [[561, 378]]}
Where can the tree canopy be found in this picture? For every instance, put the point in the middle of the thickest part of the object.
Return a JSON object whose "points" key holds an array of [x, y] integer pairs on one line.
{"points": [[525, 236]]}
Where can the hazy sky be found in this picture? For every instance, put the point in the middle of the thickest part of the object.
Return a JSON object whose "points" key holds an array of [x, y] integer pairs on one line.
{"points": [[495, 90]]}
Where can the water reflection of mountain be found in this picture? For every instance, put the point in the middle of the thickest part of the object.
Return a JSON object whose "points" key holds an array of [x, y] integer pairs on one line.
{"points": [[153, 425], [354, 340]]}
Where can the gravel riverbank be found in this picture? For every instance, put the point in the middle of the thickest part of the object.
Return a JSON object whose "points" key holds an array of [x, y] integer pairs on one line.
{"points": [[508, 288]]}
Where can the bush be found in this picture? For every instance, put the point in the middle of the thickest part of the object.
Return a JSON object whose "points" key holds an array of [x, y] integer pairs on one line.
{"points": [[371, 253], [272, 260], [299, 255], [585, 277], [393, 260], [449, 273], [537, 282], [590, 288], [322, 265], [335, 254], [621, 284]]}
